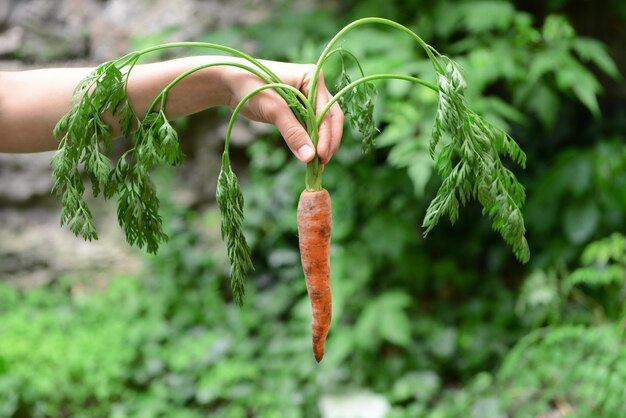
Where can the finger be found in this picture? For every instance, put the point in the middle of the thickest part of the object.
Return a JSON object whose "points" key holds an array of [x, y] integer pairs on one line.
{"points": [[294, 135], [324, 132], [324, 144], [336, 124], [335, 118], [333, 121]]}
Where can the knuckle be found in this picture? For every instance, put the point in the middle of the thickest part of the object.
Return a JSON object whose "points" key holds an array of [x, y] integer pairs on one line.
{"points": [[293, 136], [270, 112]]}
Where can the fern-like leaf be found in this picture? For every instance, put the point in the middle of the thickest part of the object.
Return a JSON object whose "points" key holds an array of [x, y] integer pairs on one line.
{"points": [[470, 165], [604, 264], [578, 366], [358, 107], [84, 140], [230, 201]]}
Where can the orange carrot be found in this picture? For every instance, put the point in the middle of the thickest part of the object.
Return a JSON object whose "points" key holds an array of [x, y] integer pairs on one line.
{"points": [[314, 226]]}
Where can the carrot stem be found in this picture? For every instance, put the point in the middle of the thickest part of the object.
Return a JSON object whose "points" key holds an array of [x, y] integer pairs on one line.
{"points": [[427, 48], [313, 179], [369, 78]]}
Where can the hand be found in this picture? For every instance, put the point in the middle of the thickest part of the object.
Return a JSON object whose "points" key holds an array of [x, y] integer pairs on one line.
{"points": [[268, 106]]}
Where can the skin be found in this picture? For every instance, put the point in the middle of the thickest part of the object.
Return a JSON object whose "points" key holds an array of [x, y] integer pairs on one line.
{"points": [[32, 102], [314, 229]]}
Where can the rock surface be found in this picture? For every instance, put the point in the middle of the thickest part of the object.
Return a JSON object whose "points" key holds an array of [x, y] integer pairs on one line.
{"points": [[42, 31], [34, 249]]}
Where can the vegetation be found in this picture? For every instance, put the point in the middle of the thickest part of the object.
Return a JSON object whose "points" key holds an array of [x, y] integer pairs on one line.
{"points": [[469, 160], [448, 327]]}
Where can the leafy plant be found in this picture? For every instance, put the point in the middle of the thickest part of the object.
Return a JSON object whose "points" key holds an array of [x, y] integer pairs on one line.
{"points": [[582, 310], [193, 354], [571, 214], [576, 370], [598, 285], [549, 59], [465, 146]]}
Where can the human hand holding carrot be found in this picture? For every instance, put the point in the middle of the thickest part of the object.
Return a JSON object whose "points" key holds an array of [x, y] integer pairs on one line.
{"points": [[47, 93], [268, 106]]}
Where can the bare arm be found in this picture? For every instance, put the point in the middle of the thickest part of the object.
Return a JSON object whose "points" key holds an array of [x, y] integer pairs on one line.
{"points": [[32, 102]]}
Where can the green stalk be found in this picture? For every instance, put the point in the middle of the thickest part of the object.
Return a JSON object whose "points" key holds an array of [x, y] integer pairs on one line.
{"points": [[133, 57], [348, 53], [365, 79], [133, 61], [356, 23], [206, 45], [314, 167], [313, 178]]}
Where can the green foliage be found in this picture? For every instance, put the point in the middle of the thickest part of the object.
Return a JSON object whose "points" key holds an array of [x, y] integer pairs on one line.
{"points": [[474, 141], [358, 107], [444, 328], [596, 285], [577, 369], [84, 138], [479, 173], [230, 201], [165, 345], [540, 299], [604, 264], [585, 313], [388, 308], [51, 350], [569, 214], [82, 133], [546, 61]]}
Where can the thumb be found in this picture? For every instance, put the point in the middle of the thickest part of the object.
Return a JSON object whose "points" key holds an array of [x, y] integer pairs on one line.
{"points": [[295, 136]]}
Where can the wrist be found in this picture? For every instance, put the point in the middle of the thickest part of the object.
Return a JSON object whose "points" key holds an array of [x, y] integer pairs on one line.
{"points": [[231, 79]]}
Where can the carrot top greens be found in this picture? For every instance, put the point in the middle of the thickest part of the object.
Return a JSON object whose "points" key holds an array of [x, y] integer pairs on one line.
{"points": [[466, 148]]}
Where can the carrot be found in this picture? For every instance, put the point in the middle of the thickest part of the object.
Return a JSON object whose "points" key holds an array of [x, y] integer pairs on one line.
{"points": [[314, 227]]}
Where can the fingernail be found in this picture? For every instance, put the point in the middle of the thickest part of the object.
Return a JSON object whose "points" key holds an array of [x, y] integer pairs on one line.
{"points": [[305, 152]]}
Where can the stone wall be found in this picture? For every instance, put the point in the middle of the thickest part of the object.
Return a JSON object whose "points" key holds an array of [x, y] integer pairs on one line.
{"points": [[36, 33], [44, 31]]}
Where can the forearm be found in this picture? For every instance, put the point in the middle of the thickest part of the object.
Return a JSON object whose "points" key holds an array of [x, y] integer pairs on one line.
{"points": [[32, 102]]}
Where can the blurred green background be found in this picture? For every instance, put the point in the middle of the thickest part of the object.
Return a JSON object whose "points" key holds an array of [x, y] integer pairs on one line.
{"points": [[448, 326]]}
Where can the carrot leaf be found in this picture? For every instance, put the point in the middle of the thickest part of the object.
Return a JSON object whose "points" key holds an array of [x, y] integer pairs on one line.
{"points": [[230, 202], [84, 138], [470, 165], [358, 106]]}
